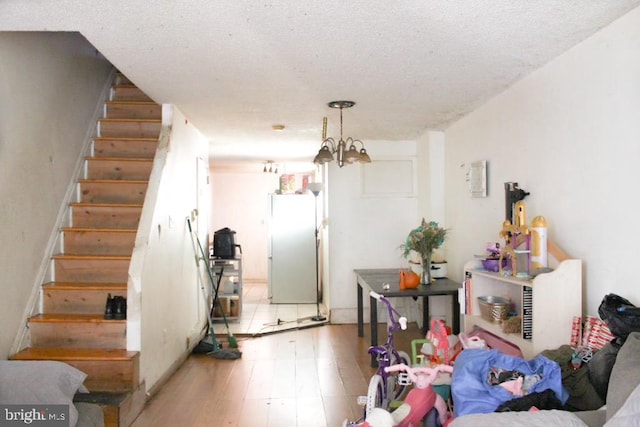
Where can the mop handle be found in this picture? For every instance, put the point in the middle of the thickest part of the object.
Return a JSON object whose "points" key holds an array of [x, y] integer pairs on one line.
{"points": [[211, 279]]}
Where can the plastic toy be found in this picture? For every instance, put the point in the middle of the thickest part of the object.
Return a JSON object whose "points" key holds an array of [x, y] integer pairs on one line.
{"points": [[384, 386], [408, 279], [538, 242], [419, 401], [516, 235], [439, 338]]}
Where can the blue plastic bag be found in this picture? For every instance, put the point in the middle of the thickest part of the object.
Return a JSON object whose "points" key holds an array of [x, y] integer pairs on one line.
{"points": [[470, 388]]}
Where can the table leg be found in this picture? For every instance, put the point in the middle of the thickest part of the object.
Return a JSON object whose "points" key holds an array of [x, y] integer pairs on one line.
{"points": [[373, 319], [360, 310], [455, 305], [425, 315]]}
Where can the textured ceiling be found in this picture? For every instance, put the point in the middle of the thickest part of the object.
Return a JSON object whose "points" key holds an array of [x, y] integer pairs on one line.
{"points": [[235, 68]]}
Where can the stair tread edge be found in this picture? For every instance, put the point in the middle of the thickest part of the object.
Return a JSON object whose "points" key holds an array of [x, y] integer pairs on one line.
{"points": [[73, 318], [84, 286], [79, 354]]}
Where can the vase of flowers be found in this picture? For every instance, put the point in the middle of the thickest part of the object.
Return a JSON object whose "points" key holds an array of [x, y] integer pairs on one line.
{"points": [[424, 240]]}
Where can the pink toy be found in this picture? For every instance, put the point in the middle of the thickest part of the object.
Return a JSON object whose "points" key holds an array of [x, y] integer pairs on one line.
{"points": [[418, 402], [437, 334]]}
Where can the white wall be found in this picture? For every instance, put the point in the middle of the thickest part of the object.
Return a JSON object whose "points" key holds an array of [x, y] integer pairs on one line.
{"points": [[568, 133], [365, 230], [431, 199], [240, 201], [50, 84], [167, 289]]}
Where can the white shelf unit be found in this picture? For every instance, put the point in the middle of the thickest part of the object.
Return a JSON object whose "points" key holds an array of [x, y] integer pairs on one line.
{"points": [[230, 287], [556, 299]]}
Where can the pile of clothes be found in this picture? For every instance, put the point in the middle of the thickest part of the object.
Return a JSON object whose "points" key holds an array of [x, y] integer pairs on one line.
{"points": [[484, 381], [571, 377]]}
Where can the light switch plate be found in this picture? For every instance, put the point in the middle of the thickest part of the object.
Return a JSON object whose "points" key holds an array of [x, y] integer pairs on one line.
{"points": [[477, 178]]}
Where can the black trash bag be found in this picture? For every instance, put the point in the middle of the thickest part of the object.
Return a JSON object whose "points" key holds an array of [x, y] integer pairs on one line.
{"points": [[620, 315]]}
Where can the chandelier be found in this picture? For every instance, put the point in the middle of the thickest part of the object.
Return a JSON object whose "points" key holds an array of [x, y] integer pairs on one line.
{"points": [[345, 150], [270, 169]]}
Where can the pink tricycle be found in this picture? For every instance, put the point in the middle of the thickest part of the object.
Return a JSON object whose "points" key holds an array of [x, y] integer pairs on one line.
{"points": [[418, 402]]}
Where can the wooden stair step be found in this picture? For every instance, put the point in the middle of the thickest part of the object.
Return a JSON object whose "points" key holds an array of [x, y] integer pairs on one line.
{"points": [[91, 268], [112, 191], [125, 147], [98, 230], [128, 92], [119, 409], [92, 286], [77, 331], [79, 298], [119, 168], [98, 241], [105, 215], [72, 354], [108, 370], [139, 128], [91, 257], [133, 110], [72, 318]]}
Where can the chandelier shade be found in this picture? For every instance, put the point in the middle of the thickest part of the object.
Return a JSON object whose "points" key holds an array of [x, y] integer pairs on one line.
{"points": [[345, 150], [323, 156]]}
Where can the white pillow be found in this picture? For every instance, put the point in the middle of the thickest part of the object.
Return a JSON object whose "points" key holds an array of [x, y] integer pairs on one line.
{"points": [[40, 383]]}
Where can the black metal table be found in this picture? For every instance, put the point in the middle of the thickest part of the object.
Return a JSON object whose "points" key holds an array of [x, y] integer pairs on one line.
{"points": [[375, 279]]}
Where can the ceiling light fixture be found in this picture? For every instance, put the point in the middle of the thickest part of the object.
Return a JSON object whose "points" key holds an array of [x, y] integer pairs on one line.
{"points": [[270, 169], [345, 150]]}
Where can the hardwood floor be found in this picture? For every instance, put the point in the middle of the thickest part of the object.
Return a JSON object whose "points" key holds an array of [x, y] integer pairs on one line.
{"points": [[260, 317], [305, 377]]}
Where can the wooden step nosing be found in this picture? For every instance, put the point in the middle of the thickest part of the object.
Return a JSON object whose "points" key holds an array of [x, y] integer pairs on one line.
{"points": [[82, 286], [113, 181], [132, 102], [98, 230], [74, 318], [91, 257], [106, 205], [120, 159], [125, 138], [78, 354], [126, 120]]}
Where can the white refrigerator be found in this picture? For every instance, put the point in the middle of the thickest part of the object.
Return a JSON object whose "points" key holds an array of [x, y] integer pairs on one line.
{"points": [[292, 256]]}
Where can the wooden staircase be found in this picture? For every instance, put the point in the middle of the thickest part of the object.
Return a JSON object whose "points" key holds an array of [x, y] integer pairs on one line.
{"points": [[95, 260]]}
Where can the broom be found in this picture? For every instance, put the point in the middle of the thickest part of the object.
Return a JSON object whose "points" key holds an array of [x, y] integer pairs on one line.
{"points": [[217, 352]]}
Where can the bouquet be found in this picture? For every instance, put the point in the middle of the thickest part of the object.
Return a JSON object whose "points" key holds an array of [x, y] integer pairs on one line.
{"points": [[424, 239]]}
